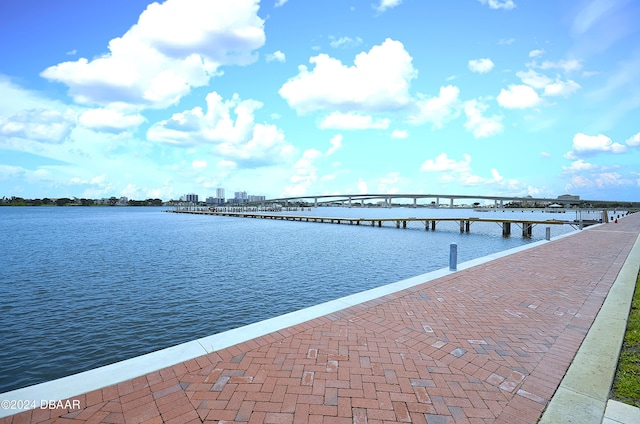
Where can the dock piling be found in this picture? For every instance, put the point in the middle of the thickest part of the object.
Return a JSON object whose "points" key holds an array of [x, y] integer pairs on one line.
{"points": [[453, 257]]}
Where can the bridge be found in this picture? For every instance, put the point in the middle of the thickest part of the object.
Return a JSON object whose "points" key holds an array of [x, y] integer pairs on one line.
{"points": [[388, 198]]}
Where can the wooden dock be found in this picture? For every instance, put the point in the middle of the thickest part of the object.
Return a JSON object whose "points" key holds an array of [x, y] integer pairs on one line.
{"points": [[429, 223]]}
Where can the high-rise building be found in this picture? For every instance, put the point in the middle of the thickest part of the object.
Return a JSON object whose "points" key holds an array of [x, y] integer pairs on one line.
{"points": [[220, 193], [191, 198]]}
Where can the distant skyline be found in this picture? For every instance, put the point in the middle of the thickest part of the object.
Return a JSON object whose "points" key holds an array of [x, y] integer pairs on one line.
{"points": [[287, 98]]}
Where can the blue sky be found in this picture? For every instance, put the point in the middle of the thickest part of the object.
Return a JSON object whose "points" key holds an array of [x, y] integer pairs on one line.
{"points": [[303, 97]]}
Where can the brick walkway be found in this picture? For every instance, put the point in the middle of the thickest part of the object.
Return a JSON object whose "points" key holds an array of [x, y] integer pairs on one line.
{"points": [[489, 344]]}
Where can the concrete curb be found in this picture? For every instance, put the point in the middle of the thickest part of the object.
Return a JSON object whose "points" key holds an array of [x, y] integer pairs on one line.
{"points": [[583, 394], [620, 413]]}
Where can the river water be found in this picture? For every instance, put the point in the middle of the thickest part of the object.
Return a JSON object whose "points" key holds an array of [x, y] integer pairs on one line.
{"points": [[82, 287]]}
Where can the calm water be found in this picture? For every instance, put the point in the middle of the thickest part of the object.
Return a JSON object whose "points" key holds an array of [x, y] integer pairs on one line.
{"points": [[86, 287]]}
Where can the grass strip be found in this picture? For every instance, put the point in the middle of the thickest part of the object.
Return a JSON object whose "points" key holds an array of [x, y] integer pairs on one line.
{"points": [[626, 384]]}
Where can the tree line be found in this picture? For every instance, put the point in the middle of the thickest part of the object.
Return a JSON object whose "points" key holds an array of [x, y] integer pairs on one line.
{"points": [[65, 201]]}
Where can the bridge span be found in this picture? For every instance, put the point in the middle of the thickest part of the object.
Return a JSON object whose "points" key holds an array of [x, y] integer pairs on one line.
{"points": [[387, 199]]}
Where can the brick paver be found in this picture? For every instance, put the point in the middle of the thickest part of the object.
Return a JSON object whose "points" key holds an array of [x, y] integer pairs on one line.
{"points": [[489, 344]]}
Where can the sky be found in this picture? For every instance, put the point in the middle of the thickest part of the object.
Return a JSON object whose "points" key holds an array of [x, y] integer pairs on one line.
{"points": [[289, 98]]}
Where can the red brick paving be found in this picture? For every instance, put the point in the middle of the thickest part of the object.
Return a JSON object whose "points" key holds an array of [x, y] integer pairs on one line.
{"points": [[489, 344]]}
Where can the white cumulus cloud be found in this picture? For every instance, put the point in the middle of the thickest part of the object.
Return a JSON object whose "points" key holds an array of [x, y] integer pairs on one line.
{"points": [[585, 145], [174, 47], [353, 121], [387, 4], [579, 166], [443, 163], [634, 140], [461, 172], [437, 110], [305, 173], [600, 180], [566, 65], [336, 144], [239, 139], [518, 97], [399, 134], [276, 56], [550, 87], [579, 181], [199, 164], [378, 81], [608, 179], [480, 125], [109, 120], [499, 4], [481, 66], [536, 53], [561, 88], [344, 42], [534, 79], [43, 125]]}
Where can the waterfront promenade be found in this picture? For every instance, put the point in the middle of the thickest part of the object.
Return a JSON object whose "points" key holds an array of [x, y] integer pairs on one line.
{"points": [[490, 343]]}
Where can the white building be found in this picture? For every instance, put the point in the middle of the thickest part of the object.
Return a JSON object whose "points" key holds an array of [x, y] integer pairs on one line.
{"points": [[568, 197]]}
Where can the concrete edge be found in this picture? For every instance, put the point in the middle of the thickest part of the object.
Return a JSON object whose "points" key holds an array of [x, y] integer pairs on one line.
{"points": [[108, 375], [619, 413], [584, 391]]}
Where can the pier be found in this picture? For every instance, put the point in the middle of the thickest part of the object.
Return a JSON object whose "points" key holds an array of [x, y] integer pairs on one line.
{"points": [[429, 223]]}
